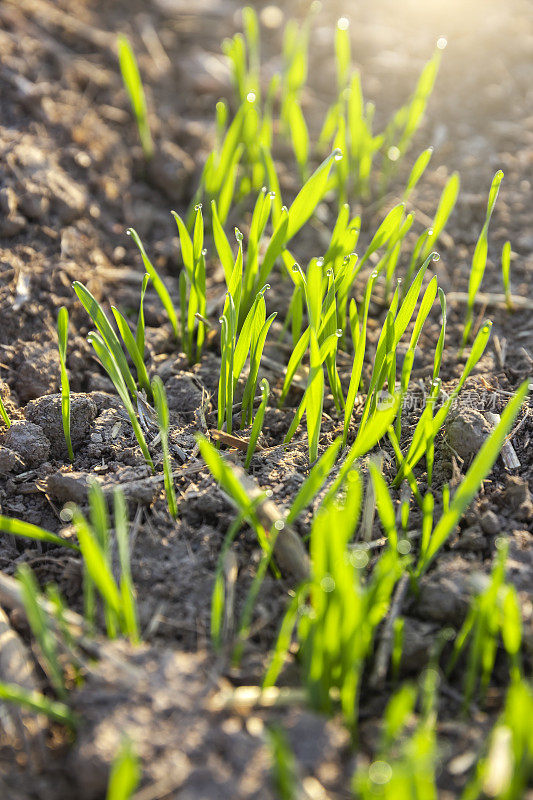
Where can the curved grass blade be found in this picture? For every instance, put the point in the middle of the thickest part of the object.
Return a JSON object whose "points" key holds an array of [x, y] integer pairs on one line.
{"points": [[469, 487], [96, 313], [159, 286], [132, 348], [16, 527], [110, 366], [37, 702]]}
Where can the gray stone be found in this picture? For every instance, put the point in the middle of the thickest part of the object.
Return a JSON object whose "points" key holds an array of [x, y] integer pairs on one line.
{"points": [[29, 441]]}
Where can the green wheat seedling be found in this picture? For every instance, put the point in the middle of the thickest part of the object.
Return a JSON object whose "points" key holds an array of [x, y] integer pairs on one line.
{"points": [[406, 762], [469, 487], [428, 425], [506, 770], [446, 204], [62, 335], [400, 131], [258, 423], [237, 348], [479, 260], [493, 613], [95, 545], [38, 703], [158, 283], [111, 367], [287, 783], [111, 341], [40, 625], [506, 274], [339, 610], [16, 527], [161, 405], [133, 83], [4, 415], [125, 773], [192, 285]]}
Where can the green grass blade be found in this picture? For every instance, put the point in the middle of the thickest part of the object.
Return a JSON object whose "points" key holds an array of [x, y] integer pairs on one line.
{"points": [[310, 195], [17, 527], [37, 702], [96, 563], [313, 483], [125, 774], [110, 366], [258, 422], [477, 472], [134, 87], [96, 313], [418, 170], [159, 286], [132, 348], [62, 336], [140, 330], [127, 590], [161, 405]]}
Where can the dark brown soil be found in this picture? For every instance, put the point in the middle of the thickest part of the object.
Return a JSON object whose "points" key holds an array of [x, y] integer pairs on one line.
{"points": [[72, 180]]}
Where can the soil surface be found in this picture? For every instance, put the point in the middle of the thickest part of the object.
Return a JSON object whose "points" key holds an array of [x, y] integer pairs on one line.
{"points": [[72, 180]]}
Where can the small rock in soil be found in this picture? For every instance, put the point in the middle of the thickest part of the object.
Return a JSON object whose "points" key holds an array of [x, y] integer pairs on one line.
{"points": [[68, 486], [472, 538], [466, 431], [518, 498], [418, 639], [183, 393], [37, 371], [29, 441], [10, 461], [490, 523], [445, 591], [46, 412]]}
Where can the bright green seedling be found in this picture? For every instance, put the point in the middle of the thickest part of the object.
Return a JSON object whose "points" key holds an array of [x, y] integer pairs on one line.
{"points": [[40, 625], [192, 285], [314, 482], [494, 613], [428, 425], [16, 527], [161, 405], [38, 703], [125, 773], [119, 600], [237, 348], [507, 768], [258, 422], [62, 335], [3, 414], [284, 770], [479, 260], [407, 120], [469, 487], [233, 489], [417, 171], [134, 88], [159, 285], [340, 611], [445, 207], [219, 622], [111, 367], [406, 762], [107, 334], [506, 274]]}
